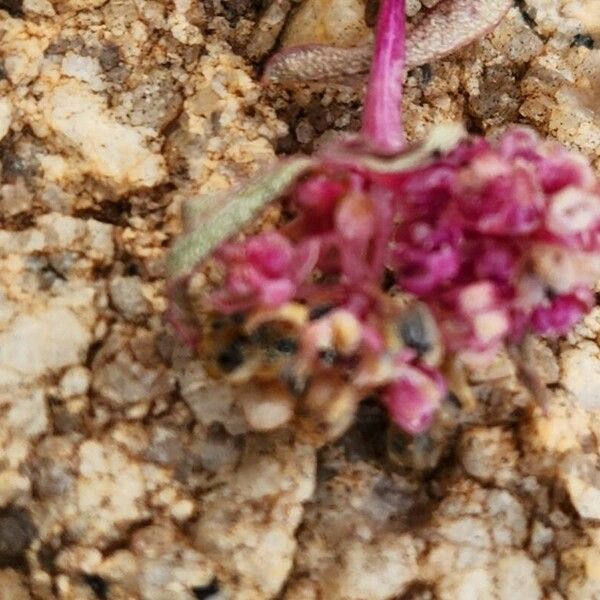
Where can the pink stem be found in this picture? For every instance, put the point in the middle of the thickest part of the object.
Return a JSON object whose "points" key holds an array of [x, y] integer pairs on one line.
{"points": [[382, 117]]}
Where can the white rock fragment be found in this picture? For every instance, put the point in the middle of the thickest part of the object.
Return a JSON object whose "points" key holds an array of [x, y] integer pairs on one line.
{"points": [[28, 414], [127, 294], [376, 571], [121, 378], [516, 578], [581, 477], [79, 558], [56, 233], [541, 537], [412, 7], [538, 355], [84, 68], [15, 198], [39, 7], [334, 22], [247, 525], [12, 485], [75, 382], [581, 373], [100, 243], [111, 150], [23, 46], [110, 493], [43, 342], [587, 12], [489, 454], [5, 116], [556, 430], [159, 563], [476, 584]]}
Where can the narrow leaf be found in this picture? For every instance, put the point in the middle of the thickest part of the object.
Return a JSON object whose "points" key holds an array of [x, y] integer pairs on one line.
{"points": [[211, 220], [452, 24], [316, 62]]}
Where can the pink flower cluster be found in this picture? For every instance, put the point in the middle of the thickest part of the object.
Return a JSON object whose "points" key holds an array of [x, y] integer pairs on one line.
{"points": [[496, 238], [500, 238]]}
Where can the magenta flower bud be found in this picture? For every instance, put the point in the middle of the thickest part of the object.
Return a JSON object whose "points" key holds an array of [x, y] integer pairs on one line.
{"points": [[270, 253], [561, 313], [319, 194], [496, 261], [496, 197], [264, 271], [428, 257], [414, 398]]}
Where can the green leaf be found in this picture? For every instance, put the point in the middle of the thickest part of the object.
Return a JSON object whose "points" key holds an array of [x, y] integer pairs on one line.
{"points": [[211, 220]]}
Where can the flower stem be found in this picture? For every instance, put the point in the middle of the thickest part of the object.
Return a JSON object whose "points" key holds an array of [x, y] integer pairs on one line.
{"points": [[382, 118]]}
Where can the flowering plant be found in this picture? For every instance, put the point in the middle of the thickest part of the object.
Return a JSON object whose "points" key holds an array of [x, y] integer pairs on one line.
{"points": [[382, 249]]}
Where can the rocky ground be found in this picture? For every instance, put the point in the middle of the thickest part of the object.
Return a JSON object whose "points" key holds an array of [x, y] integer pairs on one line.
{"points": [[124, 472]]}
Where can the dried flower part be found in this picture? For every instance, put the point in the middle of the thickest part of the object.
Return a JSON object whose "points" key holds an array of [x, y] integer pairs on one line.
{"points": [[448, 26], [494, 239], [267, 407], [327, 409]]}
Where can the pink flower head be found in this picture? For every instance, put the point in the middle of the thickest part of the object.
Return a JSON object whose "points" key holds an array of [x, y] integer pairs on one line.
{"points": [[515, 241], [478, 231], [495, 238]]}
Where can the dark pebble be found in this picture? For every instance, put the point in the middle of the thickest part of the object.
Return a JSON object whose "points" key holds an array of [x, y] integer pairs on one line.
{"points": [[205, 592], [425, 74], [16, 533], [582, 39], [109, 57], [13, 7], [97, 585]]}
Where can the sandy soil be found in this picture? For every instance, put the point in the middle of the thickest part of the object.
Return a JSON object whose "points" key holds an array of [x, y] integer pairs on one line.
{"points": [[124, 472]]}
